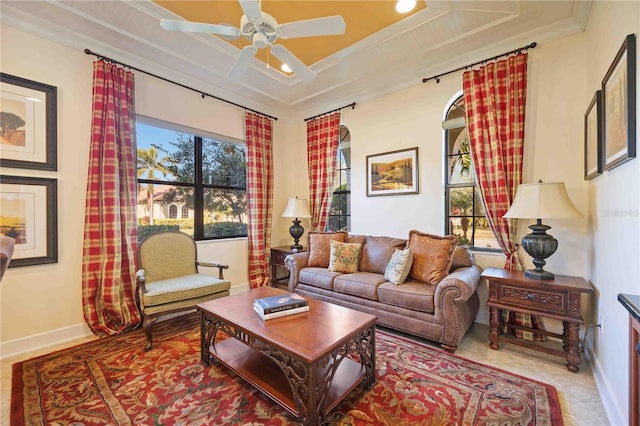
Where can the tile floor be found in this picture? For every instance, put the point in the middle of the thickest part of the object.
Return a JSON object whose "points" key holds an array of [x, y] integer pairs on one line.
{"points": [[581, 405]]}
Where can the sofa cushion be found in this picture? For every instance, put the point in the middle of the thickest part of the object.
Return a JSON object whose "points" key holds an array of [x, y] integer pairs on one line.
{"points": [[413, 295], [462, 257], [319, 248], [318, 277], [344, 257], [432, 256], [377, 252], [399, 266], [362, 284]]}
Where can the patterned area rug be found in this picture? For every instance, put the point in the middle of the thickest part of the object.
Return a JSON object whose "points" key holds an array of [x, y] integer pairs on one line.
{"points": [[113, 381]]}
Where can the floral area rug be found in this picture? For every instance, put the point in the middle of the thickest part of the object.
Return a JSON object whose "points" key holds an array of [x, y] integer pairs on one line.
{"points": [[112, 381]]}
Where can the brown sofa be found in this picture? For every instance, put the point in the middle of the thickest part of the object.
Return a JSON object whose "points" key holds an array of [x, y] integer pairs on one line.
{"points": [[442, 311]]}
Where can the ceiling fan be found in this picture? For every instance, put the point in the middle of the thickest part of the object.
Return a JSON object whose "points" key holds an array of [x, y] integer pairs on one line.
{"points": [[263, 30]]}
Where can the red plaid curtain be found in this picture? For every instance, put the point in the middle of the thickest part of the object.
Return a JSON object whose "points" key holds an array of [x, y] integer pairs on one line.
{"points": [[495, 97], [322, 144], [259, 195], [110, 231]]}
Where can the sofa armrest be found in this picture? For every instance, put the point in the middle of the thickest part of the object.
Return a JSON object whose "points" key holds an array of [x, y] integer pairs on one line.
{"points": [[463, 281], [294, 263]]}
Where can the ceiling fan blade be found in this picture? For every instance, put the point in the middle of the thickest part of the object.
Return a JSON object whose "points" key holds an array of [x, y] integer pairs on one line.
{"points": [[329, 25], [242, 62], [296, 65], [251, 9], [200, 27]]}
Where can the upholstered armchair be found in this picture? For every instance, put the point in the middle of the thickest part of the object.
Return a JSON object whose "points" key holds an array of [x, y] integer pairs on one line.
{"points": [[168, 278]]}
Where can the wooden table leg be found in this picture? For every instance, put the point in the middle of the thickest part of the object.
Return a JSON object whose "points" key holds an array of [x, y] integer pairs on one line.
{"points": [[571, 342], [494, 327]]}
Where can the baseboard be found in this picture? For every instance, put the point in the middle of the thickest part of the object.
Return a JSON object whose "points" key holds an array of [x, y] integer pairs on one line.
{"points": [[43, 340], [64, 335], [612, 408]]}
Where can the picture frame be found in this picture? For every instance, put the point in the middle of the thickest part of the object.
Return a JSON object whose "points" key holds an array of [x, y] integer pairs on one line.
{"points": [[29, 213], [593, 137], [28, 130], [393, 173], [619, 107]]}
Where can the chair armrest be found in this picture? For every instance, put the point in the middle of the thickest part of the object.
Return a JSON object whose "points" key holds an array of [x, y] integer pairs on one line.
{"points": [[295, 262], [463, 280], [220, 266], [140, 280]]}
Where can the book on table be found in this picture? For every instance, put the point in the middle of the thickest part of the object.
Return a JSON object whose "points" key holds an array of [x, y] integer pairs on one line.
{"points": [[285, 302], [279, 314]]}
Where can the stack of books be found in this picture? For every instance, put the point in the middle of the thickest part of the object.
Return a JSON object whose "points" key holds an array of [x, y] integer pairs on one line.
{"points": [[279, 306]]}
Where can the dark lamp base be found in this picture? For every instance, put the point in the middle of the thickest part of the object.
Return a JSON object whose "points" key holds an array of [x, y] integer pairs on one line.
{"points": [[539, 274], [296, 231]]}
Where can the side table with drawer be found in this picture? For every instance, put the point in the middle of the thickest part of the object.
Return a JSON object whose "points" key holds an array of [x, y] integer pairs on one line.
{"points": [[559, 298], [277, 262]]}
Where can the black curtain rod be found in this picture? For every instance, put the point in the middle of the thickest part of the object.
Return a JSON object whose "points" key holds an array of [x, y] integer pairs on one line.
{"points": [[352, 105], [203, 94], [437, 77]]}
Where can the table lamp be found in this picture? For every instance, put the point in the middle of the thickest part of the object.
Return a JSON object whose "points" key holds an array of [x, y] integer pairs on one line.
{"points": [[541, 201], [296, 208]]}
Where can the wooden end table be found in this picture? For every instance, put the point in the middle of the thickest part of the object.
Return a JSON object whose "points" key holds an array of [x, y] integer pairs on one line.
{"points": [[558, 299], [300, 361], [278, 255]]}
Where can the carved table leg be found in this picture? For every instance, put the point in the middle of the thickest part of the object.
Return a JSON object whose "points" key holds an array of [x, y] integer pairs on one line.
{"points": [[571, 341], [494, 326], [208, 331]]}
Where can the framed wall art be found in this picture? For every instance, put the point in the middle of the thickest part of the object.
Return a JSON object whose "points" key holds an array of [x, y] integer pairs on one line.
{"points": [[619, 107], [28, 213], [593, 138], [393, 173], [28, 124]]}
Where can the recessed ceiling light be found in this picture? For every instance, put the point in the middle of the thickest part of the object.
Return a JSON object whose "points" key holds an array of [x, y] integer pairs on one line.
{"points": [[404, 6], [286, 68]]}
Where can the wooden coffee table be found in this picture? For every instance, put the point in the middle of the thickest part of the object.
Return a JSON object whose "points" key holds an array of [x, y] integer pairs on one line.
{"points": [[300, 361]]}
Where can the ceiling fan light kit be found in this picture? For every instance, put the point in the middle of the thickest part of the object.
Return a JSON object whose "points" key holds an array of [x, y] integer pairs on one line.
{"points": [[262, 30]]}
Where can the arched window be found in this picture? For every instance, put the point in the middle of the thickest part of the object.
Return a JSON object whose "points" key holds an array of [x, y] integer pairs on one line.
{"points": [[340, 212], [185, 212], [173, 211], [464, 215]]}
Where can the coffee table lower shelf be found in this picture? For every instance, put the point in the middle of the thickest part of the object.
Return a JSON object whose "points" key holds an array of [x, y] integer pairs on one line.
{"points": [[263, 373]]}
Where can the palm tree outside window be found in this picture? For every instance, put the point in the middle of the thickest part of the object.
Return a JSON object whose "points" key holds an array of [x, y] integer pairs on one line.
{"points": [[464, 214]]}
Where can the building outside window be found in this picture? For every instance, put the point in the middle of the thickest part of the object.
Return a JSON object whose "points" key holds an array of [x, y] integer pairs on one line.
{"points": [[201, 175], [340, 210], [464, 215]]}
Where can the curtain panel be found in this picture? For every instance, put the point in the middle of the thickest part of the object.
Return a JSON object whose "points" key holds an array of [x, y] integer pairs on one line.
{"points": [[495, 98], [323, 135], [258, 129], [110, 230]]}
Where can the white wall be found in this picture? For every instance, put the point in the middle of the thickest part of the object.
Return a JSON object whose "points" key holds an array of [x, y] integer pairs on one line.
{"points": [[41, 305], [613, 238]]}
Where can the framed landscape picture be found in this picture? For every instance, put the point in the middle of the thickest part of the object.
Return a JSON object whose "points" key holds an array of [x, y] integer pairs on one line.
{"points": [[619, 107], [28, 128], [28, 214], [393, 173], [593, 138]]}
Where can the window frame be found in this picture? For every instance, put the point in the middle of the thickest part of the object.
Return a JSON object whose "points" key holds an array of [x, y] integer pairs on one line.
{"points": [[344, 146], [448, 125], [198, 186]]}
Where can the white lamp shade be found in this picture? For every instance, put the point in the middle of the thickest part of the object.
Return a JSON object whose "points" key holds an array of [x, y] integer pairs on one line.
{"points": [[296, 207], [542, 201]]}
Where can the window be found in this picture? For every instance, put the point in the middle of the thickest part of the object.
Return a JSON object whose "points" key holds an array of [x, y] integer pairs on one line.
{"points": [[464, 212], [201, 176], [340, 211]]}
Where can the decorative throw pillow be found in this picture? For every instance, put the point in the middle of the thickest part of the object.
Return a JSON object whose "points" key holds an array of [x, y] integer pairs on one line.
{"points": [[344, 257], [432, 256], [399, 266], [319, 248]]}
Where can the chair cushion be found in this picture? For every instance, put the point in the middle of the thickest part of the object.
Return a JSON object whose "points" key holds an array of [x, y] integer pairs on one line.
{"points": [[432, 256], [319, 248], [399, 266], [182, 288], [344, 257]]}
